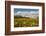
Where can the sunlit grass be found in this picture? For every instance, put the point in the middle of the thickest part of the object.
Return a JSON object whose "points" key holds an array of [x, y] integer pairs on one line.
{"points": [[25, 22]]}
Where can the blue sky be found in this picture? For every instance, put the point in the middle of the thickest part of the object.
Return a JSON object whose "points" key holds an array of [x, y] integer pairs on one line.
{"points": [[24, 10]]}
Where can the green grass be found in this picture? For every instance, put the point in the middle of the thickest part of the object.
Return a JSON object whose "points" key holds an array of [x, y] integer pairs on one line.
{"points": [[25, 22]]}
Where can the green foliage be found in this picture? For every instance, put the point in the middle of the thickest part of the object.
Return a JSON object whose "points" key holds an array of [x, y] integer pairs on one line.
{"points": [[25, 22]]}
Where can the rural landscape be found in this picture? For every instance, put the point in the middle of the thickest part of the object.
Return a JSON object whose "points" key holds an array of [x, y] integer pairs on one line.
{"points": [[26, 18]]}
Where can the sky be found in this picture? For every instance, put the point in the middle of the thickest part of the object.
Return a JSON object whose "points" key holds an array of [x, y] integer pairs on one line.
{"points": [[26, 12]]}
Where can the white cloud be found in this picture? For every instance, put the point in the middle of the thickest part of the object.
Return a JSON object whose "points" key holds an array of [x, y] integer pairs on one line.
{"points": [[31, 14]]}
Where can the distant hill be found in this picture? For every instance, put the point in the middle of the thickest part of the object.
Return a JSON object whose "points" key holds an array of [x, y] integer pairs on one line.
{"points": [[27, 14]]}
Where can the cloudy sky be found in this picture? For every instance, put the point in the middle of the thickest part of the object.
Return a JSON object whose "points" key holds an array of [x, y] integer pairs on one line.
{"points": [[26, 12]]}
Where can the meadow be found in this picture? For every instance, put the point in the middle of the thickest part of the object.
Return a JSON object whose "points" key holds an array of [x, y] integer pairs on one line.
{"points": [[25, 22]]}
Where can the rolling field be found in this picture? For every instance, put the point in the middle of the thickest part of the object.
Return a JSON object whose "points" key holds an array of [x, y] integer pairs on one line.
{"points": [[25, 22]]}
